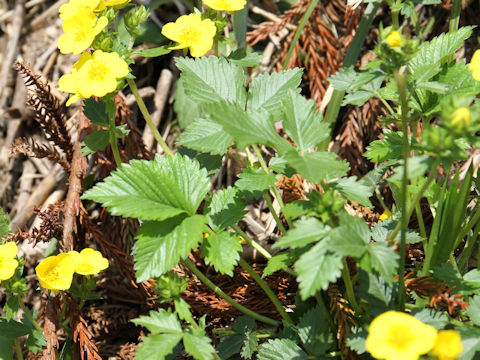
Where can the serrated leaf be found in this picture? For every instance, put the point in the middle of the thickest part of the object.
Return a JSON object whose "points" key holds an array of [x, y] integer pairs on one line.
{"points": [[382, 230], [222, 251], [437, 51], [354, 190], [379, 295], [211, 163], [317, 166], [230, 346], [281, 349], [211, 79], [246, 128], [351, 238], [314, 331], [361, 95], [267, 91], [241, 58], [36, 341], [224, 209], [357, 339], [250, 344], [298, 208], [6, 348], [96, 141], [186, 109], [96, 111], [153, 52], [206, 136], [343, 78], [304, 232], [4, 223], [11, 307], [317, 268], [470, 341], [153, 190], [160, 345], [302, 122], [384, 260], [198, 345], [390, 147], [278, 262], [161, 245], [161, 321], [255, 180], [13, 329], [431, 317], [473, 310]]}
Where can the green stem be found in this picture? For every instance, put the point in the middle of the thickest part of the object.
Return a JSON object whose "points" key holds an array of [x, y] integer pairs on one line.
{"points": [[402, 89], [252, 242], [380, 199], [467, 251], [227, 298], [321, 303], [384, 102], [261, 160], [455, 15], [148, 119], [28, 314], [298, 32], [350, 59], [239, 19], [113, 141], [266, 195], [472, 222], [271, 295], [18, 350], [347, 280]]}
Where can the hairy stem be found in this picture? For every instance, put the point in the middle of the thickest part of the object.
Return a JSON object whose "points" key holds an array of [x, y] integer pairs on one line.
{"points": [[347, 280], [113, 141], [18, 350], [148, 119], [227, 298], [455, 15], [28, 314]]}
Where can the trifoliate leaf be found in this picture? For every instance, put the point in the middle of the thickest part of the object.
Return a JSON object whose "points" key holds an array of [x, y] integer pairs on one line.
{"points": [[278, 262], [161, 321], [304, 232], [302, 122], [94, 142], [343, 78], [268, 91], [314, 331], [317, 268], [36, 341], [390, 147], [96, 112], [212, 79], [250, 344], [206, 136], [351, 238], [281, 349], [255, 180], [317, 166], [153, 190], [161, 244], [224, 209], [222, 251], [354, 190], [160, 345], [198, 344]]}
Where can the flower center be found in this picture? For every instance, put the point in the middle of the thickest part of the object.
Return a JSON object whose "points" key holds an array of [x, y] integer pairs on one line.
{"points": [[97, 71], [189, 35], [85, 268], [52, 275], [400, 337]]}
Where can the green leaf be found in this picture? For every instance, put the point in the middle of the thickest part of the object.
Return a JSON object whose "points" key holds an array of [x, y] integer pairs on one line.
{"points": [[154, 52], [124, 42], [241, 58], [470, 341], [297, 208], [382, 231], [206, 136], [13, 329], [4, 223], [431, 317], [268, 91], [343, 78], [222, 251], [161, 321], [6, 348], [250, 344], [390, 147], [473, 310], [121, 131], [198, 345], [357, 339], [278, 262], [304, 232], [11, 307], [159, 345], [281, 349], [314, 331], [161, 245], [302, 122], [351, 238], [354, 190], [230, 346], [224, 209], [96, 112], [211, 163], [255, 180], [153, 190], [317, 166], [212, 79], [186, 109], [245, 340], [384, 260], [246, 128], [36, 341], [317, 268], [376, 292], [437, 51], [365, 92], [96, 141]]}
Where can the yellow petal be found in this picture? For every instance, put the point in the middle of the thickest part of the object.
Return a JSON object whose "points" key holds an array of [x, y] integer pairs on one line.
{"points": [[8, 250]]}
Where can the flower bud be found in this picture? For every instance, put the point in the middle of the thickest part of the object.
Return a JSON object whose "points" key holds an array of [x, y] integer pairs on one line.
{"points": [[394, 39], [134, 18]]}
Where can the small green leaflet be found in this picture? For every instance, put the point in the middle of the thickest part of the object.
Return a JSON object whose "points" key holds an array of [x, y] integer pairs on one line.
{"points": [[314, 331], [198, 344], [473, 309], [222, 251], [255, 180], [96, 141], [154, 52], [354, 190], [304, 232], [96, 112], [281, 349], [224, 209], [161, 321], [278, 262]]}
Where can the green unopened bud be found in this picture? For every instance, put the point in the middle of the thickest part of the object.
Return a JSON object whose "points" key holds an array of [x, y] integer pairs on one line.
{"points": [[136, 17], [111, 14], [105, 44]]}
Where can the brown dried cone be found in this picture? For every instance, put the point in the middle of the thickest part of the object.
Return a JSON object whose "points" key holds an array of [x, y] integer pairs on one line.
{"points": [[318, 50]]}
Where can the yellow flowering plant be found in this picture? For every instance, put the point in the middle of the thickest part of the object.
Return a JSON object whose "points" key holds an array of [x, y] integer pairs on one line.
{"points": [[89, 261], [56, 272], [8, 263], [448, 345], [225, 5]]}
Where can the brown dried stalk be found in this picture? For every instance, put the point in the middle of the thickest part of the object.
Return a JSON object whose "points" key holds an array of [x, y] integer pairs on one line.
{"points": [[30, 148], [342, 315], [50, 326]]}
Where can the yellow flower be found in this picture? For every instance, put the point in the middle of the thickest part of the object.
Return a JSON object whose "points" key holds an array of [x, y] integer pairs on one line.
{"points": [[190, 31], [104, 3], [56, 272], [8, 264], [474, 66], [395, 335], [448, 345], [394, 39], [385, 215], [89, 261], [74, 7], [461, 118], [80, 31], [225, 5], [93, 74]]}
